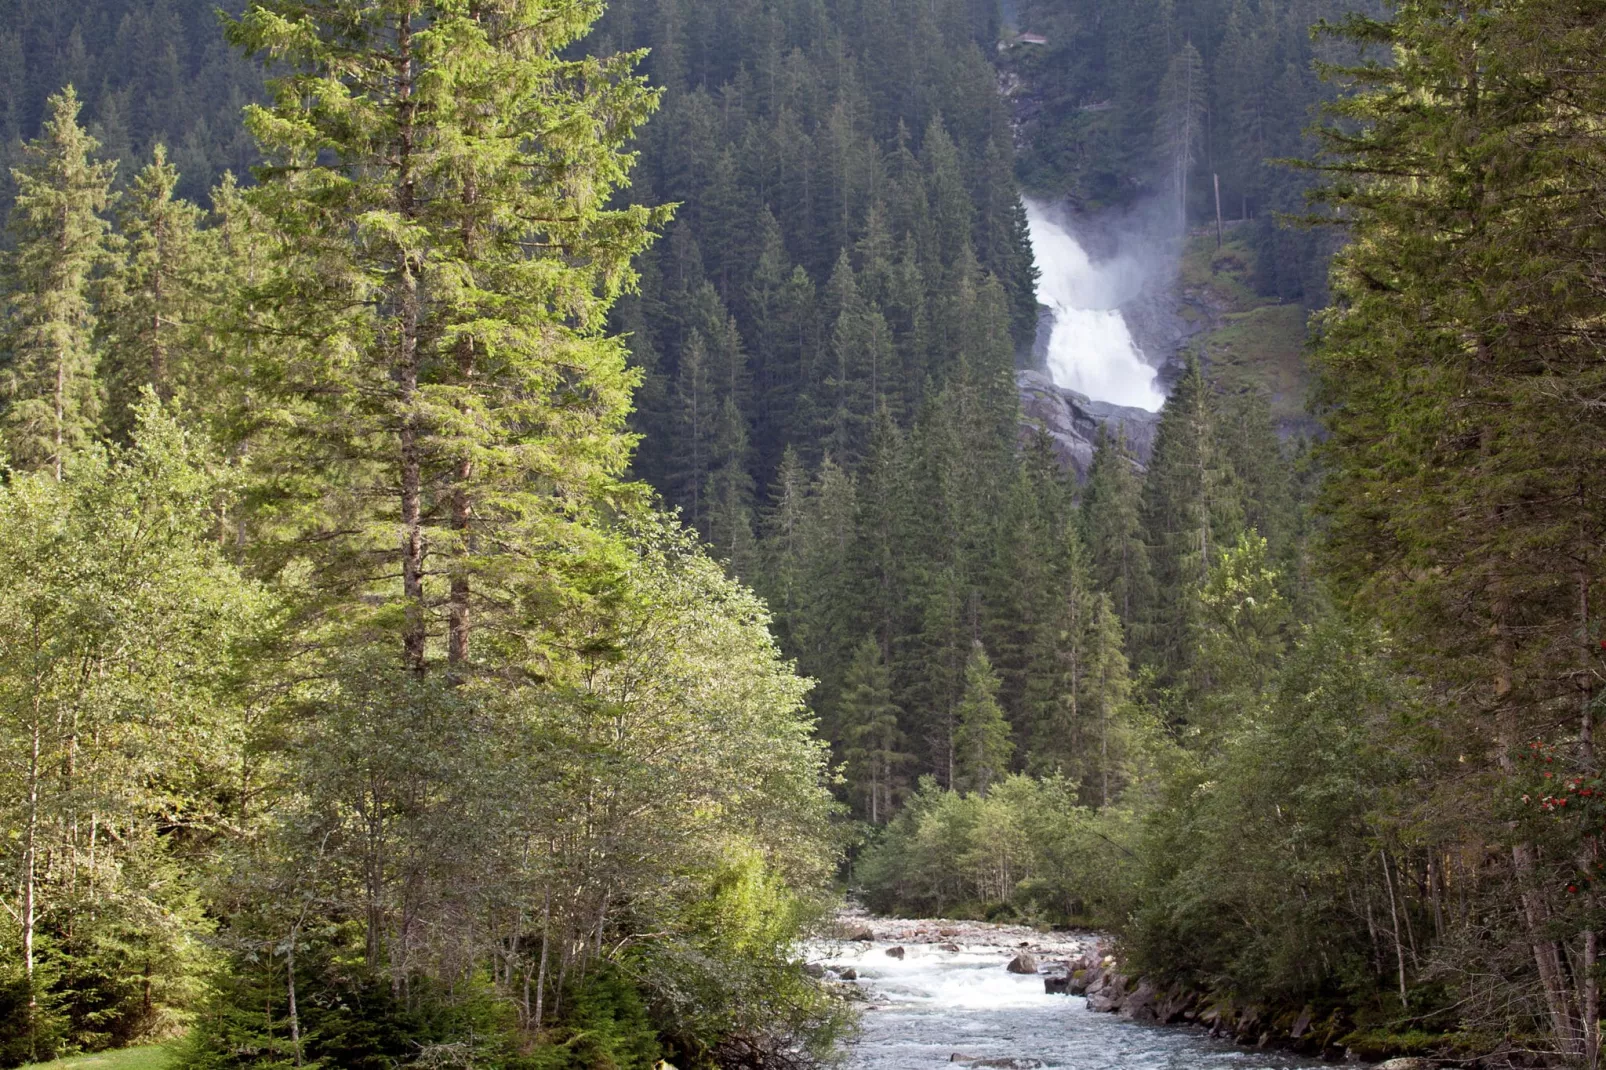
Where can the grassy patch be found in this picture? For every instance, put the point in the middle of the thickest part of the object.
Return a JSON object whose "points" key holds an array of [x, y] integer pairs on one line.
{"points": [[1260, 340], [1223, 273], [147, 1057], [1265, 346]]}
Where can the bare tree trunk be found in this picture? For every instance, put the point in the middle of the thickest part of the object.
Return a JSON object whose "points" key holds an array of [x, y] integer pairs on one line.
{"points": [[1394, 913], [458, 622], [1536, 912], [1217, 179], [30, 854], [1589, 995], [1435, 888], [546, 937], [290, 992], [60, 408], [414, 632]]}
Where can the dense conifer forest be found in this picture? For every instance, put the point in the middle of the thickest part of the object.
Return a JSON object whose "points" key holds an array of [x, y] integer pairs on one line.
{"points": [[511, 508]]}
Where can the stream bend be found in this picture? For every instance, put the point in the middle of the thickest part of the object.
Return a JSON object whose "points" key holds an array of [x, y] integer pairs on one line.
{"points": [[950, 1000]]}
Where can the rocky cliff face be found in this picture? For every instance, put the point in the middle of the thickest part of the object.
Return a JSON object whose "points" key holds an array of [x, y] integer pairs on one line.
{"points": [[1072, 421]]}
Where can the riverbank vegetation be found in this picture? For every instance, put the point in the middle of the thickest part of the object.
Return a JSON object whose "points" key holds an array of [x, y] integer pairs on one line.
{"points": [[1376, 785], [356, 708]]}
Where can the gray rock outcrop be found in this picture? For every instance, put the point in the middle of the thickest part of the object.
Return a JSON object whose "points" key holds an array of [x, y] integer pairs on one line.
{"points": [[1072, 421]]}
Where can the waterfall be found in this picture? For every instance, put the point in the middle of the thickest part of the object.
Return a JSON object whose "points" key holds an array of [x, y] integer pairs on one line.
{"points": [[1090, 348]]}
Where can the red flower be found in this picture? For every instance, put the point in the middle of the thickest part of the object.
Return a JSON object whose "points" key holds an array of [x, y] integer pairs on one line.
{"points": [[1573, 888]]}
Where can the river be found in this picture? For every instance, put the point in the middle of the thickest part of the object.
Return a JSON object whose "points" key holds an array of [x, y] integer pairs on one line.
{"points": [[950, 999]]}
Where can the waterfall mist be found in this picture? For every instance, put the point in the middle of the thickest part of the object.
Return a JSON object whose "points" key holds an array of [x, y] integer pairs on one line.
{"points": [[1090, 349]]}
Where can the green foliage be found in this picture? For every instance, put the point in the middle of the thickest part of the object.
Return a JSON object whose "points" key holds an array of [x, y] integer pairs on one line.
{"points": [[870, 726], [466, 381], [155, 315], [302, 805], [730, 988], [148, 74], [604, 1028], [1028, 845], [122, 626], [144, 1057], [1285, 804], [1458, 367], [52, 400], [982, 744], [1148, 99]]}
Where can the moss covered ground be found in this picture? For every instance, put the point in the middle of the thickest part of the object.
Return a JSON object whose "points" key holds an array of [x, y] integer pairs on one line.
{"points": [[145, 1057], [1257, 339]]}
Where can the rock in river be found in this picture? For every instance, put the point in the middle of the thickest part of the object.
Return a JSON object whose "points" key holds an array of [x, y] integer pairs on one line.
{"points": [[1022, 963], [895, 952]]}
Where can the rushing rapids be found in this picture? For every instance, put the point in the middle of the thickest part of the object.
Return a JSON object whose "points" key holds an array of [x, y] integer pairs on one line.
{"points": [[955, 1002], [1090, 349]]}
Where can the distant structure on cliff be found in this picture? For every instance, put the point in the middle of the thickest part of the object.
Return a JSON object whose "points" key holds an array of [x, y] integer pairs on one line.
{"points": [[1022, 39]]}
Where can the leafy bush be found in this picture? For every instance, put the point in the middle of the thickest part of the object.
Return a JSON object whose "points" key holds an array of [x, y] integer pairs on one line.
{"points": [[1028, 848]]}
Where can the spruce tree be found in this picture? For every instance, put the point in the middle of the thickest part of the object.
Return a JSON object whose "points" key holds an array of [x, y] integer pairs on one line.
{"points": [[448, 259], [694, 413], [51, 392], [1108, 704], [1263, 471], [781, 542], [982, 744], [830, 613], [869, 718], [1003, 241], [1059, 657], [1190, 512], [728, 509], [1112, 524], [155, 323], [952, 209]]}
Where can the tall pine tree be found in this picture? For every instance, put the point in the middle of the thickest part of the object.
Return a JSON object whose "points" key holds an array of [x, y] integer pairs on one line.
{"points": [[49, 384]]}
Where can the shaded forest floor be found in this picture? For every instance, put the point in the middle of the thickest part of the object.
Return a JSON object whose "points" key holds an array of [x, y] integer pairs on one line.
{"points": [[146, 1057]]}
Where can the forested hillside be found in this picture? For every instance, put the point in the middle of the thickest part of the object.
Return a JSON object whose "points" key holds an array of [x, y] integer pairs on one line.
{"points": [[146, 72], [1129, 101], [1362, 788]]}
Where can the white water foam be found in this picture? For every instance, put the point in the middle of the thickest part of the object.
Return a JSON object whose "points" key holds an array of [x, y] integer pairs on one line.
{"points": [[931, 1005], [1090, 349]]}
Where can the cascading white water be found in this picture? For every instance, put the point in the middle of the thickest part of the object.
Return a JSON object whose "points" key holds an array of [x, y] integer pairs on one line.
{"points": [[942, 1005], [1090, 349]]}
